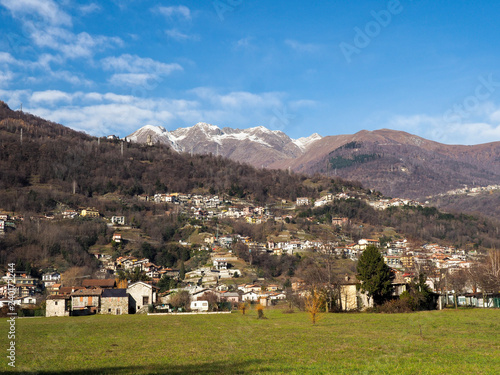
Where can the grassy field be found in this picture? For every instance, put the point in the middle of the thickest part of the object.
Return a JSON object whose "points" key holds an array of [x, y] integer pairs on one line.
{"points": [[437, 342]]}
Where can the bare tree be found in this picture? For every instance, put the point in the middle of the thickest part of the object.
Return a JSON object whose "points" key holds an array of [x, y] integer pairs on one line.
{"points": [[314, 304], [75, 275], [320, 271], [212, 300], [485, 274], [180, 299], [457, 281]]}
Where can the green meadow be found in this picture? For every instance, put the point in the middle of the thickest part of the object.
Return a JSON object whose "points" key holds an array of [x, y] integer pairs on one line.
{"points": [[437, 342]]}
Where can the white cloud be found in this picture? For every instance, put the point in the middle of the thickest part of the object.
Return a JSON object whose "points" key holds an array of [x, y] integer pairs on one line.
{"points": [[7, 58], [111, 113], [133, 79], [300, 104], [177, 35], [89, 8], [38, 71], [14, 97], [135, 64], [82, 45], [6, 78], [438, 128], [179, 11], [244, 43], [48, 10], [51, 97], [239, 99], [302, 47], [107, 118], [48, 26], [136, 71], [85, 45]]}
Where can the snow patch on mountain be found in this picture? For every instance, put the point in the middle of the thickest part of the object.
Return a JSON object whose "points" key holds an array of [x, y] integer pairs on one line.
{"points": [[304, 142], [203, 134]]}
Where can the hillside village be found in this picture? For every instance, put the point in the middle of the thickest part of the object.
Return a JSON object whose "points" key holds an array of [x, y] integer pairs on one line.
{"points": [[214, 285]]}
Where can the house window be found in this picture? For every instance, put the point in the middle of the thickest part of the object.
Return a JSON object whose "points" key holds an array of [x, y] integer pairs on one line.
{"points": [[118, 311], [109, 310], [145, 300]]}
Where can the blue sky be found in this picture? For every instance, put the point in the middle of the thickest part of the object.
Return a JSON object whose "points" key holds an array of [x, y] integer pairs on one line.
{"points": [[431, 68]]}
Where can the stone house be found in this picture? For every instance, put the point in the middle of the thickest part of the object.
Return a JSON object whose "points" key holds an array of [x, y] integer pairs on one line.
{"points": [[114, 302], [141, 295], [351, 298], [86, 301], [57, 305]]}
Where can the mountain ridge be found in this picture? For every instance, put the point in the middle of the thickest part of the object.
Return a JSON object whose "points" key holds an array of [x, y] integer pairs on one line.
{"points": [[394, 162], [257, 146]]}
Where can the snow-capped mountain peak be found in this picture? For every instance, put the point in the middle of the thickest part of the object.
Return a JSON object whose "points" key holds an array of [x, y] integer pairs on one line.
{"points": [[304, 142], [253, 145]]}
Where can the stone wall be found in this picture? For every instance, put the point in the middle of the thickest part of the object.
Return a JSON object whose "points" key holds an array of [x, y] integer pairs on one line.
{"points": [[114, 305], [56, 307]]}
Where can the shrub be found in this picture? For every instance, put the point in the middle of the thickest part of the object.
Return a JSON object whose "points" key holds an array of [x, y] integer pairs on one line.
{"points": [[394, 306]]}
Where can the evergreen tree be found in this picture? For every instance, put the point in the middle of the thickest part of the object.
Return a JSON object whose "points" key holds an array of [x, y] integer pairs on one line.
{"points": [[182, 271], [164, 284], [375, 275]]}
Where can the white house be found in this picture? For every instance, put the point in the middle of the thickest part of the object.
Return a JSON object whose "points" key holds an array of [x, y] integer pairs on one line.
{"points": [[220, 263], [141, 295], [118, 220], [57, 305], [302, 201], [50, 279], [250, 296], [199, 306]]}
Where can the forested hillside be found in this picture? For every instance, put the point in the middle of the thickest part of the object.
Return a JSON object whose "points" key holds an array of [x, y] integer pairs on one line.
{"points": [[48, 168], [55, 156]]}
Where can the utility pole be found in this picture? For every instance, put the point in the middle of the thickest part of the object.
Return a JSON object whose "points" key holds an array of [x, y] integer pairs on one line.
{"points": [[122, 148]]}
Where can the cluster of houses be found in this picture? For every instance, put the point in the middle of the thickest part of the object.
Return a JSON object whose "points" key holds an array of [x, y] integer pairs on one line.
{"points": [[322, 201], [383, 204], [104, 296], [379, 204], [100, 296], [131, 263], [6, 221], [23, 287], [429, 255], [470, 190], [222, 268], [265, 295]]}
